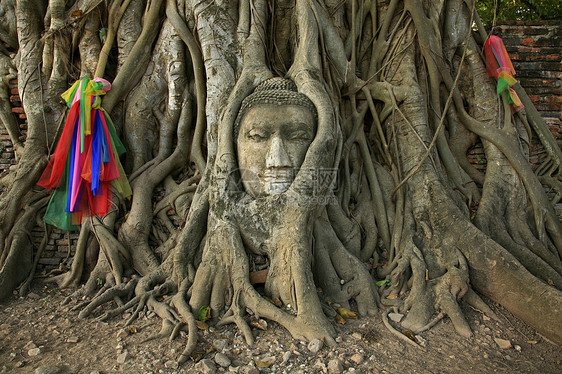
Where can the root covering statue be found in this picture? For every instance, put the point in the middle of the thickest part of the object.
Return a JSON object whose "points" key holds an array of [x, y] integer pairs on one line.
{"points": [[327, 139]]}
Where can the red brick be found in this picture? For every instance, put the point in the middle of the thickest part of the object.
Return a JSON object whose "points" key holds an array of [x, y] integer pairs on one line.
{"points": [[528, 41], [22, 116], [17, 109], [524, 49], [553, 99], [14, 91]]}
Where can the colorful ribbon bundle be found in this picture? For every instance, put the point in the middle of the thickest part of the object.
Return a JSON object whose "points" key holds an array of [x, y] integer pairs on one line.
{"points": [[498, 65], [86, 161]]}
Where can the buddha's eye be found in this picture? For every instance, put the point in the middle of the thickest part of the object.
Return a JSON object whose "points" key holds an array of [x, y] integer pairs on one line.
{"points": [[300, 135], [257, 135]]}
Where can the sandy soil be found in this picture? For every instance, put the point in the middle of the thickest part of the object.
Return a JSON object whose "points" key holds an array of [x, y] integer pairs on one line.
{"points": [[40, 335]]}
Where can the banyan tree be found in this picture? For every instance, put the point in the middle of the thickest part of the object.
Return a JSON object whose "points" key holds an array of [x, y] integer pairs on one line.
{"points": [[286, 157]]}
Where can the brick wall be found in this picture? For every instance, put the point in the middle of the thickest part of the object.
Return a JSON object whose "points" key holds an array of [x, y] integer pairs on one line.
{"points": [[535, 49], [60, 242], [6, 148]]}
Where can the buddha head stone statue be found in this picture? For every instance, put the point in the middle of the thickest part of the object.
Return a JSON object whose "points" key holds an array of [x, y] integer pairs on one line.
{"points": [[273, 130]]}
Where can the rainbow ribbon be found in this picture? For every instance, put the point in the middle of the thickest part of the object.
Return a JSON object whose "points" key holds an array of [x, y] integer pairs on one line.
{"points": [[498, 65], [85, 163]]}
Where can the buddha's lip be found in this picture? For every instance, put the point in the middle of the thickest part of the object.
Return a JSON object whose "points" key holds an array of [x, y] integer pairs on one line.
{"points": [[278, 173], [277, 179]]}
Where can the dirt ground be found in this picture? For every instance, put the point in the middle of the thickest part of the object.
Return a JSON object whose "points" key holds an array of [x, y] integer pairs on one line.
{"points": [[40, 335]]}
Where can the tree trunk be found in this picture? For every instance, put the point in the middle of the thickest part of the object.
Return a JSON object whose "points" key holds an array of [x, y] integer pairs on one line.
{"points": [[358, 168]]}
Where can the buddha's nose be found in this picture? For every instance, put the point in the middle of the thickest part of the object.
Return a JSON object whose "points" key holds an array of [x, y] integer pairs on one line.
{"points": [[277, 157]]}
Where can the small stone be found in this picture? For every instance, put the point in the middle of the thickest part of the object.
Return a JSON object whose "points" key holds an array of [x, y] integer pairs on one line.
{"points": [[233, 369], [315, 345], [206, 366], [123, 357], [220, 344], [517, 348], [122, 333], [335, 366], [30, 345], [34, 351], [247, 369], [396, 317], [47, 369], [222, 360], [95, 372], [339, 339], [13, 355], [485, 318], [357, 335], [502, 343], [286, 357], [33, 295], [320, 367], [267, 361], [485, 356], [72, 339], [20, 364], [171, 364], [357, 358]]}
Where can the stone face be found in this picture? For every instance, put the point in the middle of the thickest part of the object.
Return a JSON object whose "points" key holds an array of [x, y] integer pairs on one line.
{"points": [[275, 128], [315, 345]]}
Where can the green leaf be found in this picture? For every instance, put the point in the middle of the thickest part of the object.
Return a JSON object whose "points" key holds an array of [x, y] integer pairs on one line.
{"points": [[346, 313], [382, 283], [204, 313]]}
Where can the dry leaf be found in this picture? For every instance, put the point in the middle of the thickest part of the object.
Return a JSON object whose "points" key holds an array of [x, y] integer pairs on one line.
{"points": [[132, 329], [77, 13], [340, 319], [532, 341], [393, 296], [202, 325], [264, 364], [275, 301], [410, 335], [344, 312], [259, 324]]}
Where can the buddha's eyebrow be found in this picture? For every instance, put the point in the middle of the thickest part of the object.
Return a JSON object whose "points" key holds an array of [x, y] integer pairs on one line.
{"points": [[301, 125]]}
